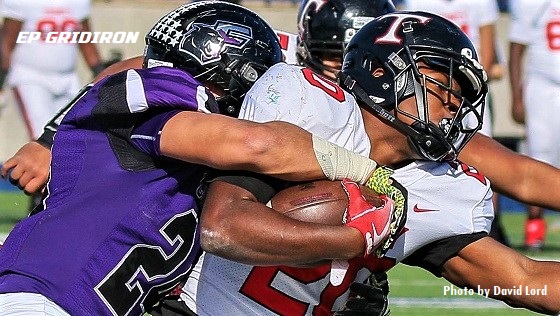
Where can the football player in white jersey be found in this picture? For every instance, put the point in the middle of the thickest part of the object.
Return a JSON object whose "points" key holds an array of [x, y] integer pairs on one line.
{"points": [[482, 155], [535, 81], [420, 96], [43, 75], [512, 174]]}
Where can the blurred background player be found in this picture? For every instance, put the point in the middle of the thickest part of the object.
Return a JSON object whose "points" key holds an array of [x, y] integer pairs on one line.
{"points": [[477, 18], [134, 125], [534, 67], [42, 75]]}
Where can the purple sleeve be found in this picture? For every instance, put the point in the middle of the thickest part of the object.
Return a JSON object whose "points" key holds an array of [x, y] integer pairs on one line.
{"points": [[165, 87], [159, 87], [137, 103], [146, 136]]}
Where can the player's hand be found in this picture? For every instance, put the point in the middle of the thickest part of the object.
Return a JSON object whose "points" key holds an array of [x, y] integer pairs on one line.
{"points": [[28, 168], [373, 222], [381, 182], [368, 299]]}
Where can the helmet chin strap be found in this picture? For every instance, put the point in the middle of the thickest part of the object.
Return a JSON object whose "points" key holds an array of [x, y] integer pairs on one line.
{"points": [[424, 139]]}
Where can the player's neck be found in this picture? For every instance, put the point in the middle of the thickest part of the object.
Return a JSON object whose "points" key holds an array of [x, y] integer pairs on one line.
{"points": [[388, 146]]}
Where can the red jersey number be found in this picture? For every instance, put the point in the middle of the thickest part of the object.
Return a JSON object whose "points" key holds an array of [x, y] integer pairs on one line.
{"points": [[553, 35], [324, 84], [47, 25], [284, 40], [259, 285], [468, 170]]}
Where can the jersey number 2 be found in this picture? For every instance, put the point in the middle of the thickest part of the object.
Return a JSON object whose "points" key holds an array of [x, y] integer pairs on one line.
{"points": [[129, 283], [258, 287]]}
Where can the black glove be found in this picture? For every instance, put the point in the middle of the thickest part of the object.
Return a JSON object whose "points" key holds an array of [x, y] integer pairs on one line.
{"points": [[368, 299]]}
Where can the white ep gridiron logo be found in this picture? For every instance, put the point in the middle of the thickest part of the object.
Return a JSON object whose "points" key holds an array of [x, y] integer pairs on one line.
{"points": [[78, 37]]}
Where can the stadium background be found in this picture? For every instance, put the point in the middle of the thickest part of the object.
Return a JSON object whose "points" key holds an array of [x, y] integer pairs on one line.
{"points": [[414, 292], [139, 16]]}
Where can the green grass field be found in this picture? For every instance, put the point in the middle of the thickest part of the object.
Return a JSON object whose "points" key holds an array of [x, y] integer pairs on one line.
{"points": [[417, 292], [413, 291]]}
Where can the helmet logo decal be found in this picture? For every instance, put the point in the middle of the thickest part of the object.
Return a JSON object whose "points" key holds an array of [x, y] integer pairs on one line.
{"points": [[391, 37], [206, 42]]}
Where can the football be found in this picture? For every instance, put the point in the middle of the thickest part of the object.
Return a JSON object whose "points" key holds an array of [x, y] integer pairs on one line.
{"points": [[322, 201]]}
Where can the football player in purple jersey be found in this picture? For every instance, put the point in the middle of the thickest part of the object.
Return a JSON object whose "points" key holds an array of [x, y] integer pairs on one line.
{"points": [[120, 220]]}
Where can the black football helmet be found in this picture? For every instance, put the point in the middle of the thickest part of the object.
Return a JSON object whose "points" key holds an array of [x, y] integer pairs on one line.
{"points": [[381, 69], [326, 27], [219, 43]]}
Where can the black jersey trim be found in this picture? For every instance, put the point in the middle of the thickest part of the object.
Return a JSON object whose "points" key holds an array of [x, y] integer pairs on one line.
{"points": [[432, 256], [112, 113]]}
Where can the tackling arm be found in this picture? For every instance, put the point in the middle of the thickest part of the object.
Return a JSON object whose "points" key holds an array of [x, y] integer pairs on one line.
{"points": [[278, 149], [515, 175], [488, 264]]}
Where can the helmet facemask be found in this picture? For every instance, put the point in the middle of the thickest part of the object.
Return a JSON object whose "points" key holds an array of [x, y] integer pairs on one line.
{"points": [[466, 99]]}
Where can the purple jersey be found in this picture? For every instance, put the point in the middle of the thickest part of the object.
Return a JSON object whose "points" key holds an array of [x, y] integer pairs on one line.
{"points": [[120, 224]]}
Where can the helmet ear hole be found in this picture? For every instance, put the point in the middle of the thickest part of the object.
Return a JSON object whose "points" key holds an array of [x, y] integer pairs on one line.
{"points": [[378, 72]]}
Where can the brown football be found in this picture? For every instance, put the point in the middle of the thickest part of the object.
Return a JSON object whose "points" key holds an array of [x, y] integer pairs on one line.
{"points": [[319, 201]]}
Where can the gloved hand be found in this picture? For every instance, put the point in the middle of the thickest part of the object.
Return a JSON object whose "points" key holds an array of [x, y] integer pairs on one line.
{"points": [[373, 222], [381, 182], [368, 299]]}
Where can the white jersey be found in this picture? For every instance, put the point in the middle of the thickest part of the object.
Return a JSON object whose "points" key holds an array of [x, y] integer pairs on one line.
{"points": [[46, 16], [536, 24], [310, 101], [444, 200], [43, 75], [469, 15], [288, 43]]}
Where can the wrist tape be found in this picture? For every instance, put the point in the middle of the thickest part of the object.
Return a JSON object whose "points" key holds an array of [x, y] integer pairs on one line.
{"points": [[338, 163]]}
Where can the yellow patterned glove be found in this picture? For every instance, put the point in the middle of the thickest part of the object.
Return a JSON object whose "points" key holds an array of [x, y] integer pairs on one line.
{"points": [[381, 182]]}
